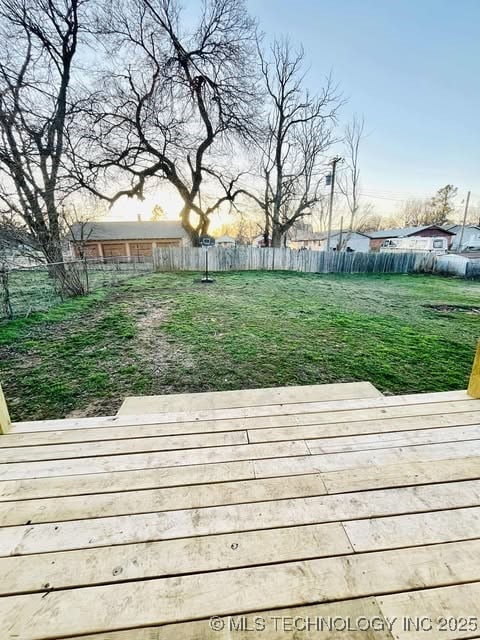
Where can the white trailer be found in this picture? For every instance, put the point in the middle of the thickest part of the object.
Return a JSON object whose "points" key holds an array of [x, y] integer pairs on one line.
{"points": [[434, 244]]}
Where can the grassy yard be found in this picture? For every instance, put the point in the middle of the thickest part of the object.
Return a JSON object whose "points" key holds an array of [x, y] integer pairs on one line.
{"points": [[166, 333], [31, 290]]}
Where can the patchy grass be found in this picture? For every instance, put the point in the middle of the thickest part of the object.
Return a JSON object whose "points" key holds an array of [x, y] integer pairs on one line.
{"points": [[168, 333], [31, 290]]}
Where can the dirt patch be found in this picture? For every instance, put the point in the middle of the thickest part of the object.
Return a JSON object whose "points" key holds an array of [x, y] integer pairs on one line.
{"points": [[450, 308], [100, 407], [153, 347]]}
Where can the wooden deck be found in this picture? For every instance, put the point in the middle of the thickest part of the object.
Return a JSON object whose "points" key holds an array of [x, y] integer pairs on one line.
{"points": [[317, 514]]}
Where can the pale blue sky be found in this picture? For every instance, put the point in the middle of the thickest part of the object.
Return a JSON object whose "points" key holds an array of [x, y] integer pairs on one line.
{"points": [[412, 68]]}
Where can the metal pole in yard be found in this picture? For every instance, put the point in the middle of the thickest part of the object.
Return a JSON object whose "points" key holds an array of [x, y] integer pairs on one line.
{"points": [[330, 206], [465, 213], [339, 245]]}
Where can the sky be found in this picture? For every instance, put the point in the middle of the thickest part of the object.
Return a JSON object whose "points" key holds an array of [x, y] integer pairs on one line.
{"points": [[411, 68]]}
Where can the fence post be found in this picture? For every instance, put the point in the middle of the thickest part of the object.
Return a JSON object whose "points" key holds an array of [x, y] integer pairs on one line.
{"points": [[4, 415], [474, 384]]}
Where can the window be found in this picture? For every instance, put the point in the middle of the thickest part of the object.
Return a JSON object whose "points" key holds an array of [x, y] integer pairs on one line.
{"points": [[438, 243]]}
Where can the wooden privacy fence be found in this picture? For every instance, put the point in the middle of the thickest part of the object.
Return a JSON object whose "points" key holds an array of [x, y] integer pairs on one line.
{"points": [[252, 258]]}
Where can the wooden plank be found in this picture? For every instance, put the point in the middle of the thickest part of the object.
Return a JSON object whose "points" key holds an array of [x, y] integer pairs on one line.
{"points": [[474, 382], [414, 529], [32, 488], [247, 398], [394, 475], [80, 534], [451, 612], [320, 445], [170, 557], [102, 464], [371, 426], [251, 412], [5, 422], [268, 428], [20, 512], [316, 622], [117, 447], [400, 475], [152, 602], [394, 439], [336, 461]]}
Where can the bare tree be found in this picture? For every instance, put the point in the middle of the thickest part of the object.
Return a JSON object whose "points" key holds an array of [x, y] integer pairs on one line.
{"points": [[368, 220], [38, 43], [439, 209], [297, 136], [349, 181], [172, 100], [413, 212], [244, 227]]}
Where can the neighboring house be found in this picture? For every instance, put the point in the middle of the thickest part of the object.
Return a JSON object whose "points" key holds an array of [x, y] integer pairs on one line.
{"points": [[317, 241], [378, 238], [19, 249], [259, 241], [225, 241], [470, 238], [125, 239]]}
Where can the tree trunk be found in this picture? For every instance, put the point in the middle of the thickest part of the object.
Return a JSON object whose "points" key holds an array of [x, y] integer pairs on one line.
{"points": [[193, 233], [67, 280], [277, 237]]}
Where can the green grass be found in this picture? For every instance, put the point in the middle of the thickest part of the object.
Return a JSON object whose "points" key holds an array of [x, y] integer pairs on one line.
{"points": [[166, 333]]}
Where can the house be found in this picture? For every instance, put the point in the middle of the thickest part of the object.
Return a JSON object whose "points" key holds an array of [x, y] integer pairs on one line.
{"points": [[317, 241], [18, 248], [468, 241], [378, 238], [259, 241], [125, 239], [225, 241]]}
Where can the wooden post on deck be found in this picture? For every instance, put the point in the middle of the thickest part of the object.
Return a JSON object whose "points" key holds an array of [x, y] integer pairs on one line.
{"points": [[474, 384], [4, 415]]}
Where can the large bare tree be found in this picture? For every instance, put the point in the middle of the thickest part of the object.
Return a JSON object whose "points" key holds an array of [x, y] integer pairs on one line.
{"points": [[173, 99], [38, 44], [349, 180], [298, 133]]}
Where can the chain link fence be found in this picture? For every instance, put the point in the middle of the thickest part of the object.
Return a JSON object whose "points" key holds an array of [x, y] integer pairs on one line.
{"points": [[28, 289]]}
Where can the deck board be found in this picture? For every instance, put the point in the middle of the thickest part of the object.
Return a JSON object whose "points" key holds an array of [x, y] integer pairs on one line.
{"points": [[16, 512], [140, 527], [163, 525], [247, 398], [275, 626], [217, 418], [159, 601]]}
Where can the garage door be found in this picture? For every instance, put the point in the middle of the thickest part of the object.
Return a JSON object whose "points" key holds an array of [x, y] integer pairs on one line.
{"points": [[114, 250], [138, 249]]}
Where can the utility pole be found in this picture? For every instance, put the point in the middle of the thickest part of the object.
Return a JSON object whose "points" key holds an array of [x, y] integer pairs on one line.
{"points": [[339, 243], [332, 191], [465, 213]]}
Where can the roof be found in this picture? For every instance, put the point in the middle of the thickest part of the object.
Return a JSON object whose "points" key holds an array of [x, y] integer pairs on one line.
{"points": [[225, 239], [450, 227], [128, 230], [321, 235], [404, 232]]}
